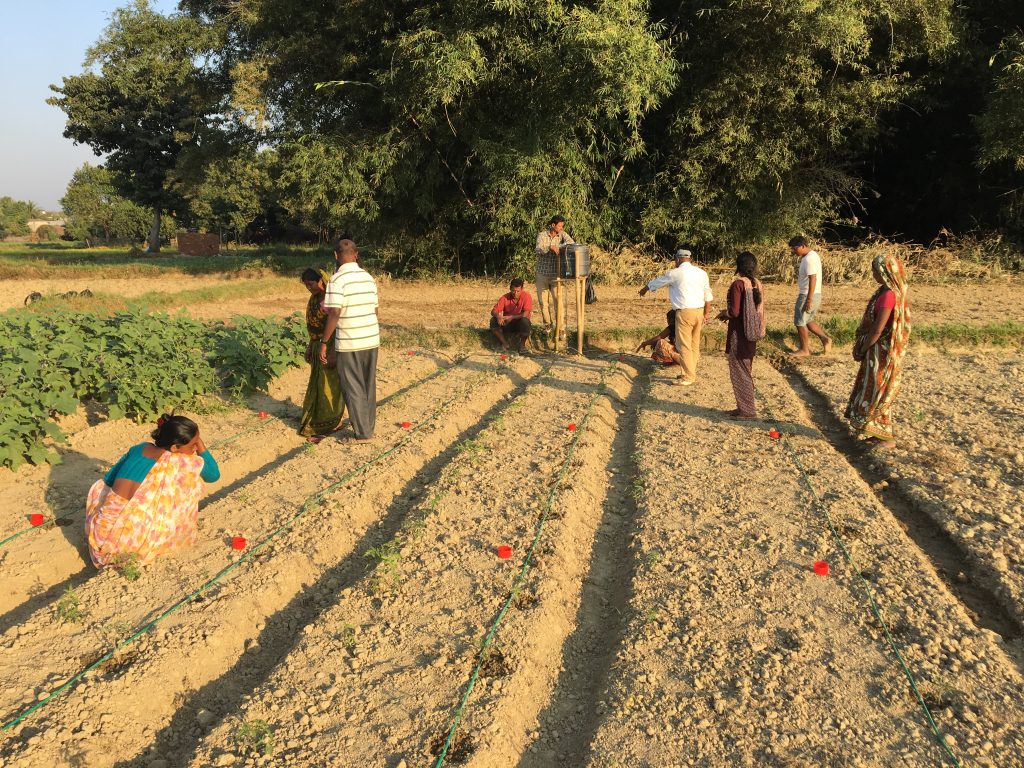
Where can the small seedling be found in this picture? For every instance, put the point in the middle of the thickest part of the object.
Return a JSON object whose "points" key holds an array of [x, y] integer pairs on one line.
{"points": [[116, 632], [347, 637], [651, 614], [386, 570], [128, 566], [69, 607], [255, 736], [653, 558]]}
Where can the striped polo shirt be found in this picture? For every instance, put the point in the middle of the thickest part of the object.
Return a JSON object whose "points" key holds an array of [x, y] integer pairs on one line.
{"points": [[353, 291]]}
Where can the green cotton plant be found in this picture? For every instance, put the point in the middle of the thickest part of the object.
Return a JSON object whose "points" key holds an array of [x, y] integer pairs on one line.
{"points": [[137, 364]]}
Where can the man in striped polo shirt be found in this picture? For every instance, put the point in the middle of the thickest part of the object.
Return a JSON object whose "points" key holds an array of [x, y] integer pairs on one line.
{"points": [[351, 304]]}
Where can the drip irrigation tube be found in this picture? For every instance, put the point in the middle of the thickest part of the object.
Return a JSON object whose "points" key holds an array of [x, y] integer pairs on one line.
{"points": [[549, 502], [220, 443], [307, 505], [947, 752]]}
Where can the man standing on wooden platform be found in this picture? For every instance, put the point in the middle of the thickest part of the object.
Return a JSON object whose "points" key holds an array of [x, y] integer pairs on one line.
{"points": [[689, 290], [351, 304]]}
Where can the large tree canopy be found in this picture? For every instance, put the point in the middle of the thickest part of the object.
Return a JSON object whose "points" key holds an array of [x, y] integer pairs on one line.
{"points": [[144, 96], [446, 132], [463, 125]]}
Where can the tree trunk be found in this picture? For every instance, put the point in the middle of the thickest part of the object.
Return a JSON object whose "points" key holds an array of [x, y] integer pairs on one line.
{"points": [[154, 232]]}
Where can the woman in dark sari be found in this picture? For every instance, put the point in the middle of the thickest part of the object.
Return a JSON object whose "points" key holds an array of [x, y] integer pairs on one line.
{"points": [[324, 405]]}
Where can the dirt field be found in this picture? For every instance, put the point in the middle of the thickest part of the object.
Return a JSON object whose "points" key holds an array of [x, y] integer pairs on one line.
{"points": [[468, 302], [670, 615]]}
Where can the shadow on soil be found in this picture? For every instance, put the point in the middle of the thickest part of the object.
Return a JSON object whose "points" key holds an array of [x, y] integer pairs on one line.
{"points": [[179, 740], [588, 653]]}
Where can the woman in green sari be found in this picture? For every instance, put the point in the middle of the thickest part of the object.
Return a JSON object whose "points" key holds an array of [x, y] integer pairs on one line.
{"points": [[324, 406]]}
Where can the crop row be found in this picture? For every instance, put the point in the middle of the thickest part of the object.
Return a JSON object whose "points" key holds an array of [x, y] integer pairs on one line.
{"points": [[134, 363]]}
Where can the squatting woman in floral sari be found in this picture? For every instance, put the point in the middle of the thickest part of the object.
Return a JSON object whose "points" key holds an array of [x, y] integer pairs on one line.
{"points": [[881, 342], [324, 405], [148, 503]]}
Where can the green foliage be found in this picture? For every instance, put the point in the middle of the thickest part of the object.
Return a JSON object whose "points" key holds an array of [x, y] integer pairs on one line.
{"points": [[94, 211], [128, 566], [447, 133], [255, 736], [1002, 123], [141, 99], [14, 216], [69, 607], [387, 557], [138, 364]]}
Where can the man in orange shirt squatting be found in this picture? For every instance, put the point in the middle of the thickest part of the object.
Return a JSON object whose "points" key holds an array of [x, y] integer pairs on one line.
{"points": [[511, 316]]}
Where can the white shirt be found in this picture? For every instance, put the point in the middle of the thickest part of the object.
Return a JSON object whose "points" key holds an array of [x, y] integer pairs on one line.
{"points": [[688, 286], [354, 292], [810, 264]]}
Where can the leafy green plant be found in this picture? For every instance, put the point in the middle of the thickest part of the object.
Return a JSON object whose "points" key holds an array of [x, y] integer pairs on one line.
{"points": [[387, 557], [137, 364], [347, 637], [69, 607], [255, 736], [128, 566]]}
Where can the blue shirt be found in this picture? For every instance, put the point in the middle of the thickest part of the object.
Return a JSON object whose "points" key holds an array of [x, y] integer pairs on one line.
{"points": [[134, 466]]}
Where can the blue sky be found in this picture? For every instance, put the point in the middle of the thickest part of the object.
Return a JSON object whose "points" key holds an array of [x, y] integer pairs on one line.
{"points": [[41, 43]]}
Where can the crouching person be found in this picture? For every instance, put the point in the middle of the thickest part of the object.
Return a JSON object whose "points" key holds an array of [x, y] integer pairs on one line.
{"points": [[510, 318]]}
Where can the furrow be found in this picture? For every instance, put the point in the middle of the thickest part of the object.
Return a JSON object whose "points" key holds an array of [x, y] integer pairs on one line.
{"points": [[377, 674], [737, 653], [221, 622]]}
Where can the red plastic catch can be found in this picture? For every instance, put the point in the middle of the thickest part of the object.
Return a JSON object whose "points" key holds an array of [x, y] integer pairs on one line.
{"points": [[774, 434], [821, 567], [571, 427], [238, 542], [504, 552], [262, 414], [406, 424], [36, 519]]}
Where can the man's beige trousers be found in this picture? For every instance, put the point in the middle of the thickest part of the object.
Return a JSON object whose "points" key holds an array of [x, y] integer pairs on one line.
{"points": [[688, 326]]}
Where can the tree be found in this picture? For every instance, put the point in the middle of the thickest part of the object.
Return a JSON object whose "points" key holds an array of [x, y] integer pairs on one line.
{"points": [[14, 216], [463, 126], [94, 210], [143, 97], [227, 188]]}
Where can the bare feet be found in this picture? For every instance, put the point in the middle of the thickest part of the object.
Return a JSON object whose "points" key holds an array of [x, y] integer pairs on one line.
{"points": [[800, 353], [315, 439], [733, 412], [826, 346], [743, 416]]}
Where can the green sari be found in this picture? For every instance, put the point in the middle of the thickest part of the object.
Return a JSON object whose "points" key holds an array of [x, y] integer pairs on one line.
{"points": [[324, 405]]}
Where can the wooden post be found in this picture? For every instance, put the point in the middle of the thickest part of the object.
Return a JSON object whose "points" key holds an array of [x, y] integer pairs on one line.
{"points": [[581, 309], [558, 311]]}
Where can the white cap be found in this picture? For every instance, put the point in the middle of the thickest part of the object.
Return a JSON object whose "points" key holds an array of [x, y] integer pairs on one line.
{"points": [[682, 253]]}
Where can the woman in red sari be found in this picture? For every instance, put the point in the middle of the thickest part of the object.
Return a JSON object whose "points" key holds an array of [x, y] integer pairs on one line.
{"points": [[881, 341]]}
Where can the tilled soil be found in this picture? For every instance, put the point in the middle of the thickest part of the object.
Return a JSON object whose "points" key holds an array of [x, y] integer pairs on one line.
{"points": [[669, 615], [739, 654], [467, 303], [959, 462]]}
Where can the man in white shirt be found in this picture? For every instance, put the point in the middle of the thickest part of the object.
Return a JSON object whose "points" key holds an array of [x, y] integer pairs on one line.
{"points": [[808, 301], [689, 290], [351, 304]]}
